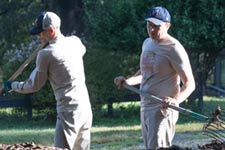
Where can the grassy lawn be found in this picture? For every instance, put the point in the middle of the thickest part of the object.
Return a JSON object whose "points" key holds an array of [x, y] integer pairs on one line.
{"points": [[122, 131]]}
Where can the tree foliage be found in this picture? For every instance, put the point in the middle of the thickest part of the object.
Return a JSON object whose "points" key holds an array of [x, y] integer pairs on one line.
{"points": [[113, 32], [119, 27], [71, 13], [16, 18], [116, 25], [198, 25]]}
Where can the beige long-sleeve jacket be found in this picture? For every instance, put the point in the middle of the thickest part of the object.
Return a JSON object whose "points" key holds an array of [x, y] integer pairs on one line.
{"points": [[61, 62]]}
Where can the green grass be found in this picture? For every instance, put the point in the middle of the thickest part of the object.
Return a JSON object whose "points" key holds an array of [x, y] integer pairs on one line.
{"points": [[21, 130], [122, 131], [43, 136], [116, 137]]}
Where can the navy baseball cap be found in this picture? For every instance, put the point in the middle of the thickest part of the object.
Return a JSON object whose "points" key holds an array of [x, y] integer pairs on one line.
{"points": [[45, 21], [158, 15]]}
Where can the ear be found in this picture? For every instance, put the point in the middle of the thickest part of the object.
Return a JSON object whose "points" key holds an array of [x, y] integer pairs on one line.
{"points": [[168, 25], [52, 32]]}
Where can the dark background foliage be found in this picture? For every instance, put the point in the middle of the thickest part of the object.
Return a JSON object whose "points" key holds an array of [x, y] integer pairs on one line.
{"points": [[113, 32]]}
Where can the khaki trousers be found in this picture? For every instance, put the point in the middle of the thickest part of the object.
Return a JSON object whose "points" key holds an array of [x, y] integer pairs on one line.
{"points": [[73, 130], [158, 130]]}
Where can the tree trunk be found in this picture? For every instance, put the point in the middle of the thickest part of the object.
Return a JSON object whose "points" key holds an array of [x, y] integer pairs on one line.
{"points": [[71, 13]]}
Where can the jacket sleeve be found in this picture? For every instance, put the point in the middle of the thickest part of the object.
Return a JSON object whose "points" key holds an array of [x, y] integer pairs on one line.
{"points": [[37, 78]]}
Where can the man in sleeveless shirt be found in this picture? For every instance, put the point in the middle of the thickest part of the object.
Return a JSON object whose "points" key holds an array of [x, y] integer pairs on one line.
{"points": [[163, 64]]}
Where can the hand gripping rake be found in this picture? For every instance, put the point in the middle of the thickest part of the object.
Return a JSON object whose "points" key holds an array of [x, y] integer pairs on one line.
{"points": [[25, 64], [159, 100]]}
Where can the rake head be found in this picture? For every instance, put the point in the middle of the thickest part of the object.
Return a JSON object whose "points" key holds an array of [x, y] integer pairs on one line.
{"points": [[215, 127]]}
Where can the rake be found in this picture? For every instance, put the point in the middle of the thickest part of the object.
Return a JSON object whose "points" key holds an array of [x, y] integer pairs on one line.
{"points": [[214, 126], [159, 100]]}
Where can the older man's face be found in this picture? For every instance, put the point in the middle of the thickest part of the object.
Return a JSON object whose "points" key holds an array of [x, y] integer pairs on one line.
{"points": [[157, 32]]}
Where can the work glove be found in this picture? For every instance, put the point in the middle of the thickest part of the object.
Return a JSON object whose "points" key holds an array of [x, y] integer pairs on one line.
{"points": [[6, 88]]}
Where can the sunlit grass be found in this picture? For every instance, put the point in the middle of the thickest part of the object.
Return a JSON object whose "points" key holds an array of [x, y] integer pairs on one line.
{"points": [[42, 136], [121, 131], [187, 127], [96, 129], [105, 138]]}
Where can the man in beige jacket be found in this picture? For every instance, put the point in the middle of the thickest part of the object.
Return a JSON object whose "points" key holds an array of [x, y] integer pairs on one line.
{"points": [[61, 62]]}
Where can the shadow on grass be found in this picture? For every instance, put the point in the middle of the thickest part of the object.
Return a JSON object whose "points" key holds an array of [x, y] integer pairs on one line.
{"points": [[131, 138], [122, 130], [22, 122], [130, 114], [127, 114], [116, 138]]}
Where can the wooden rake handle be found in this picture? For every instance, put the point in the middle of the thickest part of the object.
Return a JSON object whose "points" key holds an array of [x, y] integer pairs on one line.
{"points": [[26, 62], [159, 100]]}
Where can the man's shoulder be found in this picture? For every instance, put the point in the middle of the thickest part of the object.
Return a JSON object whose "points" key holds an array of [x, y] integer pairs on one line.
{"points": [[147, 41], [72, 38], [47, 50], [174, 40]]}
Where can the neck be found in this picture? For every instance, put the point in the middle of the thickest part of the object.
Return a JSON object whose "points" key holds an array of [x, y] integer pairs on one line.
{"points": [[163, 38], [54, 34]]}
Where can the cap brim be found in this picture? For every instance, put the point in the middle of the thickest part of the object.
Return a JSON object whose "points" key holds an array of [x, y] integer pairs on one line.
{"points": [[35, 30], [155, 21]]}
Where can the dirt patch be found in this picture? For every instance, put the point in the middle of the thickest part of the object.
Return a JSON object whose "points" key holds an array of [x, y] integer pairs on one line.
{"points": [[186, 141], [26, 146], [182, 141]]}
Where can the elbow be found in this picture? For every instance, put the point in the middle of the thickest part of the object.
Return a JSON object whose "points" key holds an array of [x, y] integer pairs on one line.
{"points": [[31, 88], [28, 91], [34, 89], [193, 86], [190, 86]]}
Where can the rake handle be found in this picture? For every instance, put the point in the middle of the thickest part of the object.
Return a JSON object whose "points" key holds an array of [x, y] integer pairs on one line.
{"points": [[26, 62], [159, 100]]}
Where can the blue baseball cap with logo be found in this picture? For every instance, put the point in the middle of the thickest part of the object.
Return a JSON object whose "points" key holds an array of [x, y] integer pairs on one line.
{"points": [[158, 15], [45, 21]]}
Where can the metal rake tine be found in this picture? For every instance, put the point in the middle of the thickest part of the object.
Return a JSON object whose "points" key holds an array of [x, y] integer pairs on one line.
{"points": [[221, 118], [214, 132], [214, 129], [209, 135], [221, 126], [222, 123], [215, 136], [217, 131], [215, 122], [215, 126], [212, 136]]}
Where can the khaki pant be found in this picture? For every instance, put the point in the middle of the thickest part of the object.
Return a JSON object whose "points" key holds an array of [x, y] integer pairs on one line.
{"points": [[158, 130], [73, 130]]}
